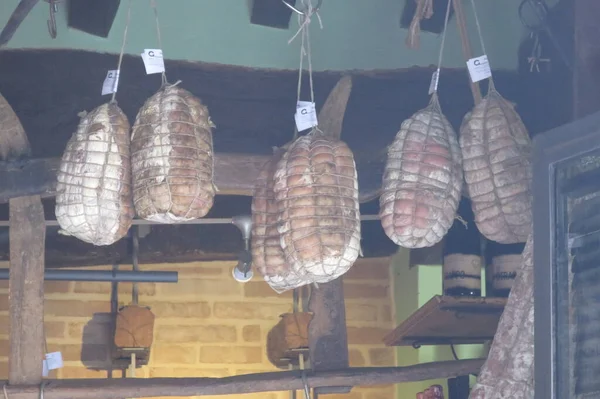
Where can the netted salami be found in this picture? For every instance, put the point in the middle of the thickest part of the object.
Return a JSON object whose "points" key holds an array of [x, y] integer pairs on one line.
{"points": [[496, 152], [267, 255], [172, 157], [316, 192], [422, 180], [93, 193]]}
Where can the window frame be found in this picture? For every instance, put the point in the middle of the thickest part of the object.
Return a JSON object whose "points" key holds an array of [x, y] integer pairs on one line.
{"points": [[552, 150]]}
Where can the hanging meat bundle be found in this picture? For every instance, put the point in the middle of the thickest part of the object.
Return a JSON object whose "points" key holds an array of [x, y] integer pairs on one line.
{"points": [[422, 180], [496, 152], [94, 198], [316, 192], [267, 255], [172, 157]]}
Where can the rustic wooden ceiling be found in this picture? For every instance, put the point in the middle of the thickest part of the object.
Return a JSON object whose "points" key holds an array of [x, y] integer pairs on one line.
{"points": [[253, 110]]}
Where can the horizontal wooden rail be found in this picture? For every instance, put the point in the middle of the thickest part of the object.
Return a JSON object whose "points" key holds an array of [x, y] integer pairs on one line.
{"points": [[248, 383]]}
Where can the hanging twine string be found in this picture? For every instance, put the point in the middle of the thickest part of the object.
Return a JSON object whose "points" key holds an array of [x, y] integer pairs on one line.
{"points": [[158, 35], [424, 11], [114, 95], [304, 21], [491, 79], [442, 45]]}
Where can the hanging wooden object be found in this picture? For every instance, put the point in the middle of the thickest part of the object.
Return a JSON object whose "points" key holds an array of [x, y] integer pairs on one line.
{"points": [[422, 180], [172, 157], [424, 11], [134, 333], [496, 151], [288, 339], [94, 198]]}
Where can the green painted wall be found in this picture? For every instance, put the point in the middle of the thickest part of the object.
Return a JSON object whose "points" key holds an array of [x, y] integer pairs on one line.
{"points": [[357, 34], [413, 287]]}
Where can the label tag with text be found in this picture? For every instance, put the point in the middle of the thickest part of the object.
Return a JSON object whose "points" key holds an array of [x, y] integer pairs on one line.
{"points": [[479, 68], [111, 82], [306, 115], [435, 78], [153, 61]]}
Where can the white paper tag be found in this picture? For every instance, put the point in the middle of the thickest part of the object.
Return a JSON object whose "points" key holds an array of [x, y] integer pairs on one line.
{"points": [[153, 61], [479, 68], [306, 115], [54, 360], [111, 82], [435, 78]]}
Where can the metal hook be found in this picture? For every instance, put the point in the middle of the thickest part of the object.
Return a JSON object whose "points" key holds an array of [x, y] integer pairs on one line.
{"points": [[291, 7], [52, 21]]}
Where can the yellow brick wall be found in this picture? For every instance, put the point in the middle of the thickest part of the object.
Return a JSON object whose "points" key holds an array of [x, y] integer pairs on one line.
{"points": [[209, 325]]}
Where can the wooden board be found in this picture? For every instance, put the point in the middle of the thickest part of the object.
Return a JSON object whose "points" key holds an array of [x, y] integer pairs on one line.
{"points": [[27, 234], [448, 320], [116, 388]]}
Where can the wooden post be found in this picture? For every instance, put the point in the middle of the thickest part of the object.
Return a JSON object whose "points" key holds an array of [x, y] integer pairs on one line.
{"points": [[327, 334], [26, 277]]}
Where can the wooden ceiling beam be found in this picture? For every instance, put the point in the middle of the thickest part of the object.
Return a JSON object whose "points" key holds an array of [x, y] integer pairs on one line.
{"points": [[271, 13], [235, 174], [18, 16]]}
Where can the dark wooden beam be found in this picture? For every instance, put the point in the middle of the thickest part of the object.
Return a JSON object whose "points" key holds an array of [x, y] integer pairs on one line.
{"points": [[18, 16], [26, 277], [271, 13], [234, 175], [26, 290], [92, 16], [327, 333], [248, 383]]}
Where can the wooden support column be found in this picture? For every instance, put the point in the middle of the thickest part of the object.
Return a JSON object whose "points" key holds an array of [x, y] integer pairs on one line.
{"points": [[327, 334], [26, 277], [587, 58]]}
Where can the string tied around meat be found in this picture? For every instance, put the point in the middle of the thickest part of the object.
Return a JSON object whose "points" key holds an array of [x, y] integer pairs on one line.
{"points": [[164, 80], [491, 86], [114, 95], [434, 97], [304, 21]]}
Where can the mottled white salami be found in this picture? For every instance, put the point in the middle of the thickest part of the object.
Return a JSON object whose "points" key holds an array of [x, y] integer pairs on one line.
{"points": [[93, 193], [422, 180]]}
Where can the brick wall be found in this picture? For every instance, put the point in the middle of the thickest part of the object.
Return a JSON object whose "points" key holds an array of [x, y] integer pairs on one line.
{"points": [[207, 325]]}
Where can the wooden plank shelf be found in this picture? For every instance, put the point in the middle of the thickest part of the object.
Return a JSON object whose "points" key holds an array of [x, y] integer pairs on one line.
{"points": [[446, 320]]}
